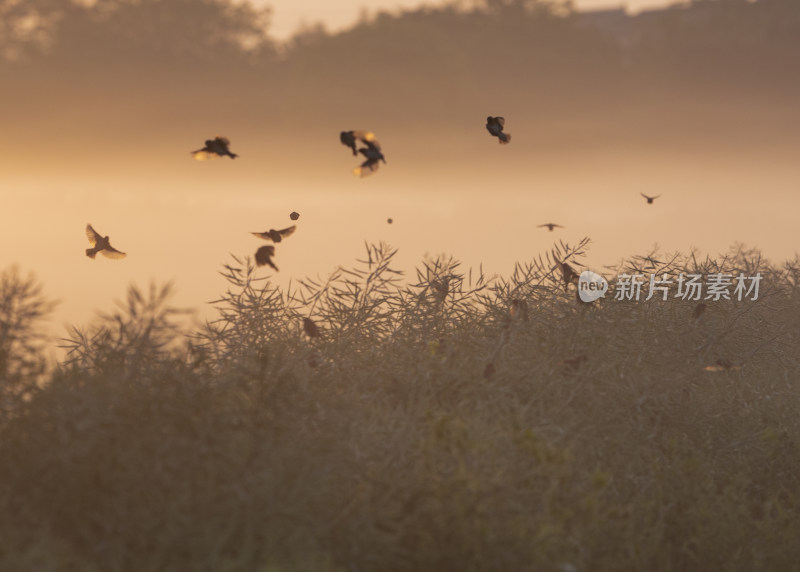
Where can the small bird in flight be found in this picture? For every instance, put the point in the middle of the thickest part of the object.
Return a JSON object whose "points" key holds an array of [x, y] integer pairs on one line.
{"points": [[101, 244], [372, 153], [276, 235], [349, 139], [650, 199], [494, 125], [264, 256], [550, 226], [295, 215], [217, 147]]}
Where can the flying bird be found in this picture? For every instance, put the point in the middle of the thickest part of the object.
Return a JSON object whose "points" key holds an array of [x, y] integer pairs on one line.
{"points": [[295, 215], [389, 220], [350, 139], [276, 235], [650, 199], [101, 244], [494, 125], [373, 155], [550, 226], [217, 147], [264, 256]]}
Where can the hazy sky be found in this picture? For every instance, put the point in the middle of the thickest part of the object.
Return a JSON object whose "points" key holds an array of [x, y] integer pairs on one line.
{"points": [[725, 166], [288, 15]]}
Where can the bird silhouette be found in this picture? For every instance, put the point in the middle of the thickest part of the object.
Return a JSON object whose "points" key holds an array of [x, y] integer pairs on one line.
{"points": [[494, 125], [550, 226], [264, 256], [295, 215], [440, 288], [101, 244], [650, 199], [350, 139], [217, 147], [519, 310], [698, 311], [276, 235], [310, 328], [373, 155], [567, 274]]}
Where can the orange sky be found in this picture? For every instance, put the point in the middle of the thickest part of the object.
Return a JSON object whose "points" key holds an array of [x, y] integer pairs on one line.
{"points": [[288, 15], [449, 188], [180, 222]]}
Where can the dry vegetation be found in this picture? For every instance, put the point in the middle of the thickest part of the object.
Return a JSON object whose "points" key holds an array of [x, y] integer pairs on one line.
{"points": [[595, 440]]}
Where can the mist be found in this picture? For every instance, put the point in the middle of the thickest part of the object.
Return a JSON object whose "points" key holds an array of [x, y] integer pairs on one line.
{"points": [[103, 103]]}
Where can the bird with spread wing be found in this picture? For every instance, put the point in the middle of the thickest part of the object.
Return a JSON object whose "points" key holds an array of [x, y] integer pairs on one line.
{"points": [[371, 151], [550, 226], [264, 256], [101, 244], [276, 235], [217, 147], [495, 125]]}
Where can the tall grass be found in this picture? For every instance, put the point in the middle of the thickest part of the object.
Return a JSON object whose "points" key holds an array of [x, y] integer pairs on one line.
{"points": [[423, 426]]}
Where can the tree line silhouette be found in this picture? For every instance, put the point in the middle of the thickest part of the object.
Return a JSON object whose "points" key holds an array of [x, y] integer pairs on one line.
{"points": [[120, 67], [456, 45]]}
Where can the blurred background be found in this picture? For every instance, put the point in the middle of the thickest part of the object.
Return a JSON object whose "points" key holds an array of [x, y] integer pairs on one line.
{"points": [[102, 101]]}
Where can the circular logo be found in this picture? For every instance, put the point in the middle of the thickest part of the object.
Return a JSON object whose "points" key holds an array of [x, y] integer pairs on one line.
{"points": [[591, 286]]}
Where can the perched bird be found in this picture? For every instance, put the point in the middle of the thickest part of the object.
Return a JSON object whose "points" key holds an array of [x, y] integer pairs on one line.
{"points": [[698, 311], [567, 274], [494, 125], [101, 244], [275, 235], [573, 364], [264, 256], [310, 328], [295, 215], [217, 147], [519, 310], [550, 226], [650, 199], [372, 153], [440, 288]]}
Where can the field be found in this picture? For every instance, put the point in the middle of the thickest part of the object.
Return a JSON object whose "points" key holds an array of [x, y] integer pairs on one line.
{"points": [[447, 421]]}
